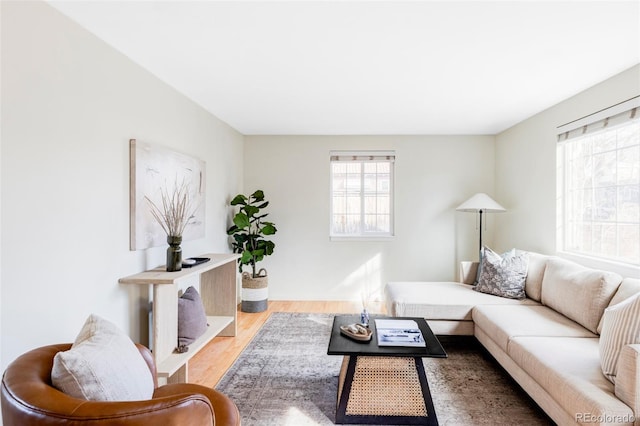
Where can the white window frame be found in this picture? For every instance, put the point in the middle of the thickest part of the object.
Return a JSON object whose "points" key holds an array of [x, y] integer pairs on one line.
{"points": [[363, 157], [594, 123]]}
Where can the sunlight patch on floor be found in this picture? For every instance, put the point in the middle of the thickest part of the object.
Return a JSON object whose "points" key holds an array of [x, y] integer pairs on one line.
{"points": [[295, 417]]}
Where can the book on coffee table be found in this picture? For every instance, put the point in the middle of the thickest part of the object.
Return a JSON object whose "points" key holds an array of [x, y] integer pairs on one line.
{"points": [[397, 332]]}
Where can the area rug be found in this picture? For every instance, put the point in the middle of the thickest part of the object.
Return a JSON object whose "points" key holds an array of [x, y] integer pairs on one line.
{"points": [[284, 377]]}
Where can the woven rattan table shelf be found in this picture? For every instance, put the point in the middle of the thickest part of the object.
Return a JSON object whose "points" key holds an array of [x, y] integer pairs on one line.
{"points": [[383, 384]]}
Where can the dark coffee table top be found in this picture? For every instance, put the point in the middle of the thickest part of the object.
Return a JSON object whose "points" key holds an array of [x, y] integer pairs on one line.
{"points": [[340, 344]]}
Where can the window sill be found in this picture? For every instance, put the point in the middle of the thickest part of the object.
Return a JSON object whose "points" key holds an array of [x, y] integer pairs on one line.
{"points": [[376, 238], [624, 269]]}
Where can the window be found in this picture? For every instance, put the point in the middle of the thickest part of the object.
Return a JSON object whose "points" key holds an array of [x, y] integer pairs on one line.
{"points": [[599, 185], [361, 194]]}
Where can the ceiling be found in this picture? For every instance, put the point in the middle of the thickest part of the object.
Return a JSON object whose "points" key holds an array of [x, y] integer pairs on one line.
{"points": [[371, 68]]}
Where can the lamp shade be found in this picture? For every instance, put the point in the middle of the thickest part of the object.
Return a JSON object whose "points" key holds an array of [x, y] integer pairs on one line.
{"points": [[480, 202]]}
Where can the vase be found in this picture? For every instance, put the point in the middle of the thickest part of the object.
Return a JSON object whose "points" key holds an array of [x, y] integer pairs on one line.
{"points": [[174, 253]]}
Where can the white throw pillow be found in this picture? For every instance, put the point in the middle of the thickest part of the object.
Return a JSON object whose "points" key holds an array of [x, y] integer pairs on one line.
{"points": [[620, 327], [103, 364]]}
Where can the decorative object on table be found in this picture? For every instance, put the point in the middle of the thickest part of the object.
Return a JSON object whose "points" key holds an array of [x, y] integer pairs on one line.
{"points": [[173, 216], [152, 167], [357, 332], [364, 317], [364, 314], [480, 203], [399, 332], [249, 230], [174, 253], [194, 261]]}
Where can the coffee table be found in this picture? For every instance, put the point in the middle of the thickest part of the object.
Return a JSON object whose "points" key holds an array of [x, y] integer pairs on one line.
{"points": [[383, 384]]}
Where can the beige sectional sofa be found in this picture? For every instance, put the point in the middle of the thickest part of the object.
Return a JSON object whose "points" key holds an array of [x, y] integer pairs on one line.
{"points": [[548, 342]]}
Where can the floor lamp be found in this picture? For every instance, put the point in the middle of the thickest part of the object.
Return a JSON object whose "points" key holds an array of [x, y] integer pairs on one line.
{"points": [[480, 203]]}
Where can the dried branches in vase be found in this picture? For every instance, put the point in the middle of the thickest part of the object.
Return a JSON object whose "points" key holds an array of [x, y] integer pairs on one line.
{"points": [[173, 216], [176, 209]]}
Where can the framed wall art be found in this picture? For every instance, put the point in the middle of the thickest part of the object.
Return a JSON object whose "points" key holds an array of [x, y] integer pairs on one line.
{"points": [[154, 170]]}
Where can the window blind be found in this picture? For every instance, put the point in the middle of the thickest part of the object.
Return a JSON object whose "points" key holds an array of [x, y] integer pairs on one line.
{"points": [[607, 118], [362, 156]]}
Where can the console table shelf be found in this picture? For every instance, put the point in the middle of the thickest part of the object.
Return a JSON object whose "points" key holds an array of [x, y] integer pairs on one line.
{"points": [[218, 291], [172, 363]]}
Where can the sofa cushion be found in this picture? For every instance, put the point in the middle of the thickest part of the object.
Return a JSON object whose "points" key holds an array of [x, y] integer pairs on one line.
{"points": [[620, 327], [503, 323], [576, 383], [580, 293], [103, 364], [439, 300], [628, 287], [535, 272], [503, 275]]}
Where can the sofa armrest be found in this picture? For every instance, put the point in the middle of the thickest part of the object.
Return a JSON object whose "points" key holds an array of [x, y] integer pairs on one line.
{"points": [[627, 386], [468, 271]]}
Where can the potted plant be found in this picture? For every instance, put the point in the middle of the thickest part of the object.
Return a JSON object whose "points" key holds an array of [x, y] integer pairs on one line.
{"points": [[173, 216], [248, 231]]}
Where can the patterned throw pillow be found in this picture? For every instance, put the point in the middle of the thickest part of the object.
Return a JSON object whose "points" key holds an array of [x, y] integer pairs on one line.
{"points": [[503, 275], [620, 327]]}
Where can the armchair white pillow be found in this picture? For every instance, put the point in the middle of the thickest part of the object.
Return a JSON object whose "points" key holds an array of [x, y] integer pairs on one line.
{"points": [[103, 364]]}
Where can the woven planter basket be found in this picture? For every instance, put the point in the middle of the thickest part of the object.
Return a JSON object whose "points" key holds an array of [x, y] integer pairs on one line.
{"points": [[255, 292], [261, 281]]}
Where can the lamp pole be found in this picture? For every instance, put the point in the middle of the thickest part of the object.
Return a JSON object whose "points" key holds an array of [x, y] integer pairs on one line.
{"points": [[480, 248]]}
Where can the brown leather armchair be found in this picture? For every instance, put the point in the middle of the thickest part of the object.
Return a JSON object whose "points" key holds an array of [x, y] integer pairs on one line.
{"points": [[28, 398]]}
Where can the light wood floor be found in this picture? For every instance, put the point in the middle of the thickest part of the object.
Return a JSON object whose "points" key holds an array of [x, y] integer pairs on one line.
{"points": [[209, 365]]}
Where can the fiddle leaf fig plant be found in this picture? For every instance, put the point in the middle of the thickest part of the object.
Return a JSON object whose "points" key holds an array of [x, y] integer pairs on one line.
{"points": [[249, 230]]}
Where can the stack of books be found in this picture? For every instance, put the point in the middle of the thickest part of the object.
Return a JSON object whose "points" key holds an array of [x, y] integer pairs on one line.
{"points": [[398, 332]]}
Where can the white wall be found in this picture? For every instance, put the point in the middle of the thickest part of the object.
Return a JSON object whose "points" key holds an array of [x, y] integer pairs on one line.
{"points": [[70, 104], [433, 175], [526, 164]]}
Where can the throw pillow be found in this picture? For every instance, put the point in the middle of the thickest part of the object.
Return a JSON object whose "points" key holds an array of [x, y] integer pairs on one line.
{"points": [[192, 320], [620, 327], [103, 364], [503, 275]]}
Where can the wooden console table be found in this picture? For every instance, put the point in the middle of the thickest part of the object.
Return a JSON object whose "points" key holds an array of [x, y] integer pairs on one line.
{"points": [[218, 292]]}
